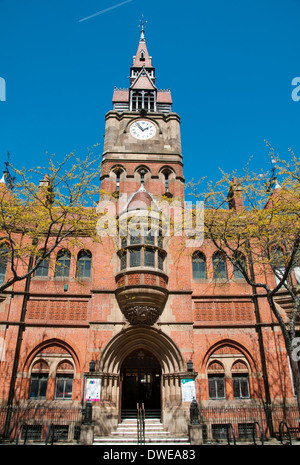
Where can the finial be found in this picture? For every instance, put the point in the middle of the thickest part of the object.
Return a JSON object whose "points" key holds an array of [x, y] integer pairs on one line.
{"points": [[10, 179], [142, 25], [273, 178]]}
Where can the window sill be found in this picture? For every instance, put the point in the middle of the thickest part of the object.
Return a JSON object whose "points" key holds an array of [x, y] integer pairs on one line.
{"points": [[59, 399], [141, 269]]}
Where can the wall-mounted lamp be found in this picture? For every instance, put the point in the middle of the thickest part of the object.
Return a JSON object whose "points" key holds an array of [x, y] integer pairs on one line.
{"points": [[190, 366], [92, 366]]}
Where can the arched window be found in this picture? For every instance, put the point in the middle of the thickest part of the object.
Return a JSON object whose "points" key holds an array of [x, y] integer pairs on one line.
{"points": [[137, 101], [216, 381], [43, 268], [141, 99], [149, 101], [84, 264], [199, 265], [39, 380], [117, 172], [4, 255], [118, 175], [240, 380], [142, 55], [297, 266], [142, 175], [166, 175], [239, 263], [63, 262], [277, 263], [219, 266], [64, 381]]}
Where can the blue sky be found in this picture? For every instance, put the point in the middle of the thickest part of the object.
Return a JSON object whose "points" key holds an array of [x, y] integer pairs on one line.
{"points": [[229, 66]]}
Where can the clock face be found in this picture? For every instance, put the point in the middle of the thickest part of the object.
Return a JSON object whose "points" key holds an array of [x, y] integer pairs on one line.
{"points": [[142, 129]]}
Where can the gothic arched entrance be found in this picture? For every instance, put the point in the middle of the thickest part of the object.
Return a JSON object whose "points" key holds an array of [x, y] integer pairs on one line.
{"points": [[141, 382], [162, 358]]}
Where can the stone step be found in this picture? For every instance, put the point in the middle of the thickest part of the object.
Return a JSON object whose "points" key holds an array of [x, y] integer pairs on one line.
{"points": [[127, 443], [147, 420], [107, 440], [134, 434], [155, 434]]}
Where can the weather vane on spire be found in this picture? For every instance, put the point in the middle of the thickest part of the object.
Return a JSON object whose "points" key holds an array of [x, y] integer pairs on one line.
{"points": [[273, 182], [142, 25]]}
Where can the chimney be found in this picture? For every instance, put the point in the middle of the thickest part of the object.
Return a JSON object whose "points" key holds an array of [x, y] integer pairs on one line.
{"points": [[235, 196], [46, 190]]}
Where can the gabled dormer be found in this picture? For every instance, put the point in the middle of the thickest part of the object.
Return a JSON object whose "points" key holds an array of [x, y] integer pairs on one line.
{"points": [[142, 94]]}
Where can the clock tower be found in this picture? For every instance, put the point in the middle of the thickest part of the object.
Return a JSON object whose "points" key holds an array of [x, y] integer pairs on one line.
{"points": [[142, 175], [142, 142]]}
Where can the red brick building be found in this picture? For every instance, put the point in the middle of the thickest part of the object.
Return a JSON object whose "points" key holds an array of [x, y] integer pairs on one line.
{"points": [[145, 304]]}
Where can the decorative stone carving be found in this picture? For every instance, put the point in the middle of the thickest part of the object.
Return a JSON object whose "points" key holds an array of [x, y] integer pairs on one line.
{"points": [[142, 314], [142, 297]]}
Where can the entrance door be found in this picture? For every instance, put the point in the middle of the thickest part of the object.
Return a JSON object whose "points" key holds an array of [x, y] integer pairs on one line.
{"points": [[141, 375]]}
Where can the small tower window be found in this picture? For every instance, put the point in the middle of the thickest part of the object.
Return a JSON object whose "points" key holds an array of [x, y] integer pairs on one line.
{"points": [[165, 177], [142, 174], [143, 100], [167, 182], [118, 176], [118, 180], [117, 172], [149, 101], [142, 55]]}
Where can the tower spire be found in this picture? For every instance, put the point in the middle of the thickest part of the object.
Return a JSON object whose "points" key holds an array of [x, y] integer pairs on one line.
{"points": [[142, 93]]}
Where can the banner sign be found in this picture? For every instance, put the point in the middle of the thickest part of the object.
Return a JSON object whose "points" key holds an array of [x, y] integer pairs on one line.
{"points": [[188, 389], [93, 387]]}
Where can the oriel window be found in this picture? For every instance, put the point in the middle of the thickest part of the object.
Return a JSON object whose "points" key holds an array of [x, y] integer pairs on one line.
{"points": [[135, 257]]}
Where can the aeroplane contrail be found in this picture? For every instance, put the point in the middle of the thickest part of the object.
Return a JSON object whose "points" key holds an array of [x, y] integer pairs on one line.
{"points": [[104, 11]]}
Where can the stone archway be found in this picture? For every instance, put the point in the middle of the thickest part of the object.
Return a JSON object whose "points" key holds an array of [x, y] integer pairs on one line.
{"points": [[170, 366], [154, 340]]}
